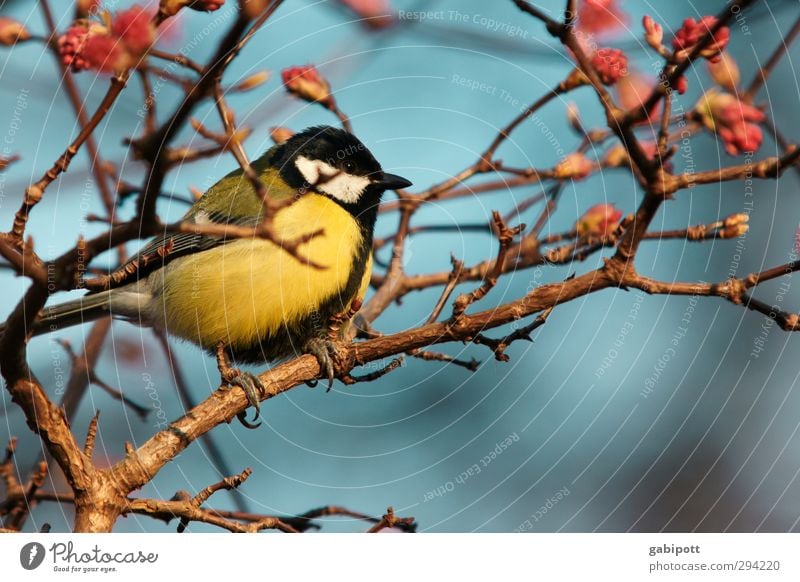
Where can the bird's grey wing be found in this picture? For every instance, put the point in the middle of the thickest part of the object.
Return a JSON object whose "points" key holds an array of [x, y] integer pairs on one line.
{"points": [[167, 247]]}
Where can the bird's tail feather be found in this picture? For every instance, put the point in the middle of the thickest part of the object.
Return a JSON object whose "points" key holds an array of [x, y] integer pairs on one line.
{"points": [[81, 310]]}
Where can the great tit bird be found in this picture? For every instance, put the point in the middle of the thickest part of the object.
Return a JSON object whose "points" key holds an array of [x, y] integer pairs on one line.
{"points": [[248, 294]]}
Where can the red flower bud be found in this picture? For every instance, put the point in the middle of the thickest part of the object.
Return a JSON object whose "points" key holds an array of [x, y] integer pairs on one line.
{"points": [[135, 28], [600, 220], [734, 121], [653, 33], [600, 16], [376, 13], [172, 7], [72, 43], [105, 53], [693, 31], [574, 166], [610, 64], [306, 83]]}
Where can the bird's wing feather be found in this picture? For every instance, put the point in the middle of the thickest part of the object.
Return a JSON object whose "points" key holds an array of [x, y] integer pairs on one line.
{"points": [[188, 242], [174, 246], [232, 200]]}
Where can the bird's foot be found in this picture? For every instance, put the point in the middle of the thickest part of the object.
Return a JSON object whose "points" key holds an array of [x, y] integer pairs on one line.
{"points": [[326, 347], [249, 383], [326, 351]]}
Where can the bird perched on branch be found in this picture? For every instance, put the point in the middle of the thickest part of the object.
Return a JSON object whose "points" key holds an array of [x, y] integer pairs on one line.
{"points": [[247, 298]]}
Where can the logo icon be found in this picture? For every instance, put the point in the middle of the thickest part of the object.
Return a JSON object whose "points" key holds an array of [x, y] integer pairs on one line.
{"points": [[31, 555]]}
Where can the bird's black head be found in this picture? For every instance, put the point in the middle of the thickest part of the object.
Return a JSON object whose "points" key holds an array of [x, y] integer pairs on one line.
{"points": [[335, 163]]}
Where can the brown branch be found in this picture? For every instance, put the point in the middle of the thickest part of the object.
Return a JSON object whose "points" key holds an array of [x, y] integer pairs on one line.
{"points": [[390, 520], [505, 237], [350, 379], [24, 261], [189, 509], [344, 119], [187, 400], [168, 510], [472, 365], [499, 346], [152, 146], [452, 281], [764, 72], [34, 192]]}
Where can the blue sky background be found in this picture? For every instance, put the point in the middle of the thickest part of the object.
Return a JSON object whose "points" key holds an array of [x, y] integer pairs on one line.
{"points": [[713, 447]]}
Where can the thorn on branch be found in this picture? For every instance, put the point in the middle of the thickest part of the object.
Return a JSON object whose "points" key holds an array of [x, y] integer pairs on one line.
{"points": [[350, 379], [225, 484], [452, 280], [505, 237], [499, 346], [390, 520]]}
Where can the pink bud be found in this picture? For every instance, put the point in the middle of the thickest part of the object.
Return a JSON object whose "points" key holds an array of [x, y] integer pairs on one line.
{"points": [[600, 17], [375, 13], [681, 85], [734, 121], [105, 53], [72, 43], [575, 166], [653, 33], [693, 31], [135, 28], [306, 83], [600, 220], [610, 64]]}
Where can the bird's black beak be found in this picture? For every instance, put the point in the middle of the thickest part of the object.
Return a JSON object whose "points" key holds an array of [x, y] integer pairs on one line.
{"points": [[392, 182]]}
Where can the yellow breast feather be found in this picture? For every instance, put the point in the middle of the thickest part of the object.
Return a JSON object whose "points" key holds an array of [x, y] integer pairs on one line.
{"points": [[247, 289]]}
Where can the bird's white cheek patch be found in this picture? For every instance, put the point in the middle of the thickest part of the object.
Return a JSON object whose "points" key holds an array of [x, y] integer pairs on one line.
{"points": [[332, 181]]}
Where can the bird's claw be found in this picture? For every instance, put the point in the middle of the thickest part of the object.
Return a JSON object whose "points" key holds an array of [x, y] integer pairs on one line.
{"points": [[250, 384], [325, 350], [252, 388]]}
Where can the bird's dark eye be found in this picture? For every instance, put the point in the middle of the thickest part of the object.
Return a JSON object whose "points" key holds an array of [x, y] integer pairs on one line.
{"points": [[349, 167]]}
